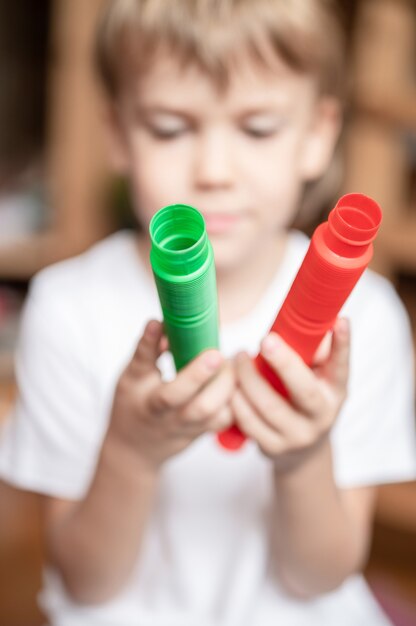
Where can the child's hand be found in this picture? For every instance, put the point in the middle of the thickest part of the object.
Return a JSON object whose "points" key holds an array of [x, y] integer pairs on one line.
{"points": [[288, 431], [158, 419]]}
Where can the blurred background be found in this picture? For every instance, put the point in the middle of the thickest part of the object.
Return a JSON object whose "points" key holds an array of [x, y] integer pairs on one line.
{"points": [[57, 198]]}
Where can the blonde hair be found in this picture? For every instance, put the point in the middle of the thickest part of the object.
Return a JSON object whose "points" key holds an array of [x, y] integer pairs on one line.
{"points": [[307, 34]]}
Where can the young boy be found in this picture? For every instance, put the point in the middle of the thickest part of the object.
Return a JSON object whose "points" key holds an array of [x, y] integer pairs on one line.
{"points": [[230, 106]]}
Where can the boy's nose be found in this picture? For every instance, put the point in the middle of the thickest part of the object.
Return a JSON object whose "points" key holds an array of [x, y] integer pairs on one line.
{"points": [[213, 163]]}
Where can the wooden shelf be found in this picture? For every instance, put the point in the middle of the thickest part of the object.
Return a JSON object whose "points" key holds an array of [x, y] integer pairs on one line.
{"points": [[398, 241], [76, 170], [396, 506], [384, 98], [377, 163], [7, 396], [398, 109]]}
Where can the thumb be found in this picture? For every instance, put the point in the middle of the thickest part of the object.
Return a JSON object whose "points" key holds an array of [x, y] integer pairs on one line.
{"points": [[336, 369], [148, 349]]}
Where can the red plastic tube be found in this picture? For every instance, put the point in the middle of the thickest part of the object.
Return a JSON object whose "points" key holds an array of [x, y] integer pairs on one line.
{"points": [[339, 252]]}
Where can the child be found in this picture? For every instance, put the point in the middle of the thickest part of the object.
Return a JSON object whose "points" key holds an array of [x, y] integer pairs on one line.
{"points": [[231, 106]]}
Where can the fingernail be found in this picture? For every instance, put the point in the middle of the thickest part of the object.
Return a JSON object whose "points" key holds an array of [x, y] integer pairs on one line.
{"points": [[270, 344], [153, 328], [344, 325], [213, 360]]}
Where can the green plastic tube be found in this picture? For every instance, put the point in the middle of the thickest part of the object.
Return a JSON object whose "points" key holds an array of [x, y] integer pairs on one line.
{"points": [[182, 261]]}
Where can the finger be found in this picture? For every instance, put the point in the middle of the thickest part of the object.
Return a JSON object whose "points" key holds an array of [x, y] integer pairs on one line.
{"points": [[187, 383], [272, 408], [148, 349], [213, 396], [223, 420], [300, 381], [252, 425], [163, 344], [324, 348], [336, 368]]}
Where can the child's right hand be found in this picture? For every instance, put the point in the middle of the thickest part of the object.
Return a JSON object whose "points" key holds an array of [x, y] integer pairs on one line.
{"points": [[157, 419]]}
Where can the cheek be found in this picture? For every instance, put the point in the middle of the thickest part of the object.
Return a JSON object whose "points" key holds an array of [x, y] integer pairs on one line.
{"points": [[278, 186], [276, 166], [157, 179]]}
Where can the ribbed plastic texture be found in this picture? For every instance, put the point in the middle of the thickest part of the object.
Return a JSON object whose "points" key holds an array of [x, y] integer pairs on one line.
{"points": [[182, 260], [339, 252]]}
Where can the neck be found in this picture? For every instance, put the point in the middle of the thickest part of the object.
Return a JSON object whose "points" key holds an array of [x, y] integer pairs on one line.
{"points": [[240, 288]]}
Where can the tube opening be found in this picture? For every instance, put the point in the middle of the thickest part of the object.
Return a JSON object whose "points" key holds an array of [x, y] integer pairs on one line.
{"points": [[355, 220], [176, 243], [177, 228], [180, 243]]}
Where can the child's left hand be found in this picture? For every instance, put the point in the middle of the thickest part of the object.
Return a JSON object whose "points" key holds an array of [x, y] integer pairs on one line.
{"points": [[288, 431]]}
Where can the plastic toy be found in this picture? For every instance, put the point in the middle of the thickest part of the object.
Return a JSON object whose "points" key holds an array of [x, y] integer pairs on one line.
{"points": [[183, 266], [339, 252]]}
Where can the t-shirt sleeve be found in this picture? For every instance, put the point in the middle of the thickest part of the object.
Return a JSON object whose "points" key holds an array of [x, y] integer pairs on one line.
{"points": [[51, 439], [374, 437]]}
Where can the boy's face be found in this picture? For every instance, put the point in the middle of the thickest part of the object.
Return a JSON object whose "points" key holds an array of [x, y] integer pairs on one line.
{"points": [[240, 156]]}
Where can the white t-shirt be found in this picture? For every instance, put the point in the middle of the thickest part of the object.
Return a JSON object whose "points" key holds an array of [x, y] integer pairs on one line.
{"points": [[204, 560]]}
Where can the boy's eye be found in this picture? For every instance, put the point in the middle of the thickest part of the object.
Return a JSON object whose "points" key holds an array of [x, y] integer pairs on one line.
{"points": [[167, 127], [262, 126], [166, 133]]}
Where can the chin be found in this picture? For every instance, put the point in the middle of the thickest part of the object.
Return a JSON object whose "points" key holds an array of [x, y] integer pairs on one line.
{"points": [[228, 256]]}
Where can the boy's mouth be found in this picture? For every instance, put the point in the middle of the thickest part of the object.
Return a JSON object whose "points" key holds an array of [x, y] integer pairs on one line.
{"points": [[218, 223]]}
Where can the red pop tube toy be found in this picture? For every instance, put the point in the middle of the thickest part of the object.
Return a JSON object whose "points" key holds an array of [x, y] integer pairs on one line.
{"points": [[339, 252]]}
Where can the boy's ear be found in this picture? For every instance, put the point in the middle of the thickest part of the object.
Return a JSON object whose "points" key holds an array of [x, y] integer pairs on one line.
{"points": [[116, 140], [321, 138]]}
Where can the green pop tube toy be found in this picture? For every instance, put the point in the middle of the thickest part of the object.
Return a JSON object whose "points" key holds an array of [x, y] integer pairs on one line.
{"points": [[182, 261]]}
